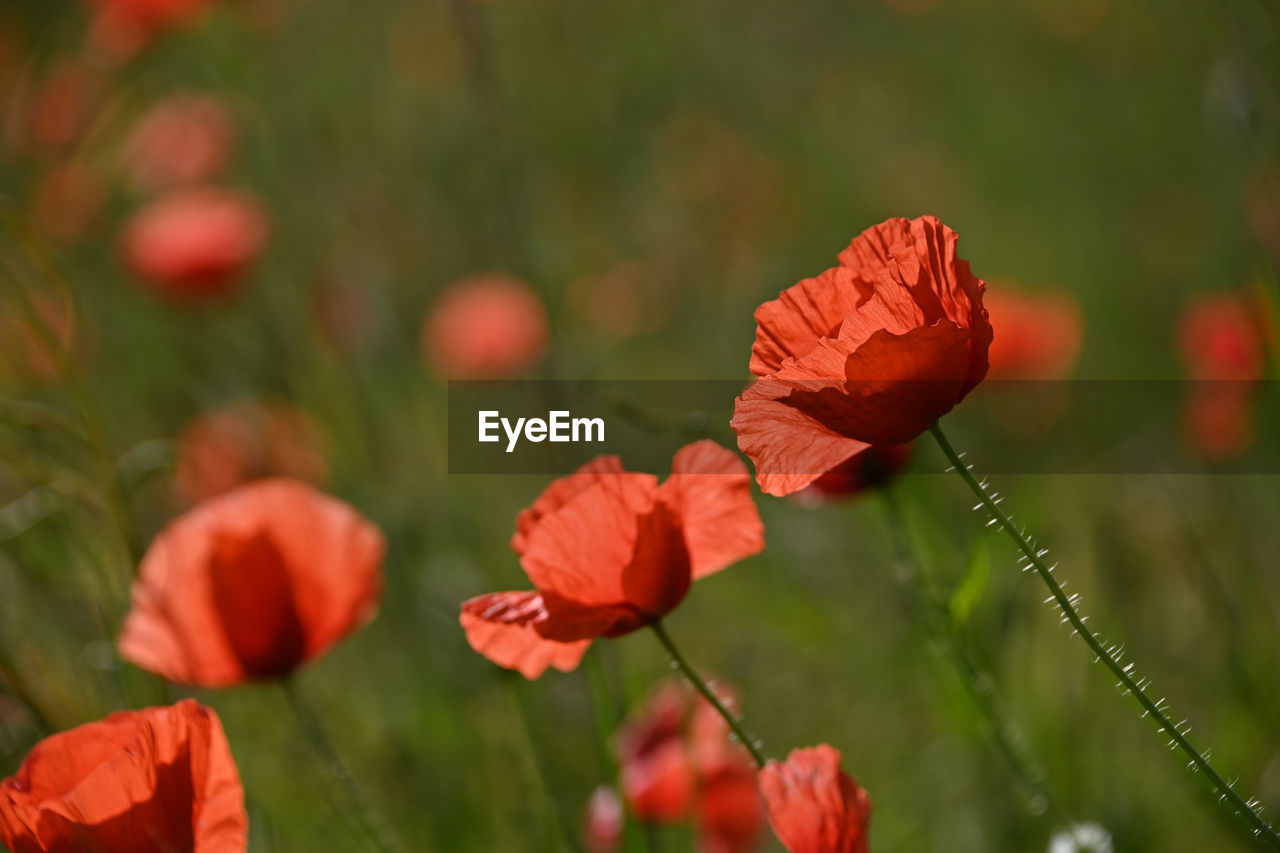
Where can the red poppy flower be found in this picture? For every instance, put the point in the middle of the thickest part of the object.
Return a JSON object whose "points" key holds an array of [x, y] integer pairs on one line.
{"points": [[610, 552], [485, 327], [602, 821], [871, 352], [1223, 339], [195, 244], [863, 472], [183, 139], [224, 448], [677, 762], [123, 27], [250, 585], [813, 805], [656, 771], [159, 779], [1040, 333], [1223, 336]]}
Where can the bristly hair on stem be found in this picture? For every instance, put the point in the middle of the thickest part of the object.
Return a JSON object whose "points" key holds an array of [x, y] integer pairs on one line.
{"points": [[1248, 810]]}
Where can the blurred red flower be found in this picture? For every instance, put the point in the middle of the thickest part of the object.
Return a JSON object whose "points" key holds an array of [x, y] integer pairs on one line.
{"points": [[195, 244], [1224, 336], [251, 584], [183, 139], [485, 327], [1223, 339], [868, 470], [223, 448], [610, 552], [813, 805], [870, 352], [123, 27], [159, 779], [1039, 333], [677, 762], [61, 106], [602, 821]]}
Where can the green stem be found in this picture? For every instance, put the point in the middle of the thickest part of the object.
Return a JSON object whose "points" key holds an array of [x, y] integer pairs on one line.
{"points": [[560, 827], [707, 693], [319, 741], [977, 683], [1109, 655]]}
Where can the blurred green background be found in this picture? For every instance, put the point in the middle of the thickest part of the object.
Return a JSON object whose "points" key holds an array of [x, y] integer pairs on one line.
{"points": [[715, 153]]}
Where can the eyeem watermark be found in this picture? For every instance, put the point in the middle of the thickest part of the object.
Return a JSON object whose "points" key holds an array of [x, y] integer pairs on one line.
{"points": [[558, 426]]}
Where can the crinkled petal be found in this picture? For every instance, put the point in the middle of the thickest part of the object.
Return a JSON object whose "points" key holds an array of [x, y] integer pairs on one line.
{"points": [[500, 626]]}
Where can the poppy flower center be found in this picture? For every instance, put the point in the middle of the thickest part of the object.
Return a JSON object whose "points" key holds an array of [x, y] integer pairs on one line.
{"points": [[253, 595]]}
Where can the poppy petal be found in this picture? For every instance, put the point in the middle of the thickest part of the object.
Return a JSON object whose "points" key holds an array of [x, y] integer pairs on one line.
{"points": [[658, 576], [558, 494], [579, 551], [813, 805], [500, 626], [711, 489], [790, 447], [805, 313], [154, 780]]}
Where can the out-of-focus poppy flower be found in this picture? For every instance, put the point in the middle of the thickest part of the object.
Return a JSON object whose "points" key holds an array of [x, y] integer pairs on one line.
{"points": [[224, 448], [656, 774], [1223, 340], [813, 805], [1039, 333], [677, 762], [183, 139], [61, 106], [485, 327], [123, 27], [195, 244], [159, 779], [610, 552], [602, 821], [871, 352], [863, 472], [1223, 336], [251, 584]]}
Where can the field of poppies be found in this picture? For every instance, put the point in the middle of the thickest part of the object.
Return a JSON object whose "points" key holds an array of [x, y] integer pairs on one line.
{"points": [[933, 345]]}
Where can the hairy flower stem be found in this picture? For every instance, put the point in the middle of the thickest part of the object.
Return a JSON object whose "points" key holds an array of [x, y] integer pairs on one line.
{"points": [[707, 693], [1247, 810], [941, 627], [360, 811]]}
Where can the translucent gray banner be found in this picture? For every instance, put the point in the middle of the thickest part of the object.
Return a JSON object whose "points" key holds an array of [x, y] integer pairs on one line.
{"points": [[551, 427]]}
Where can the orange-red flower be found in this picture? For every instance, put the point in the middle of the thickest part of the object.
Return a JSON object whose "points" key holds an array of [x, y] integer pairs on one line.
{"points": [[151, 781], [813, 805], [871, 352], [485, 327], [183, 139], [677, 762], [251, 584], [195, 244], [223, 448], [867, 470], [1039, 333], [610, 552]]}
